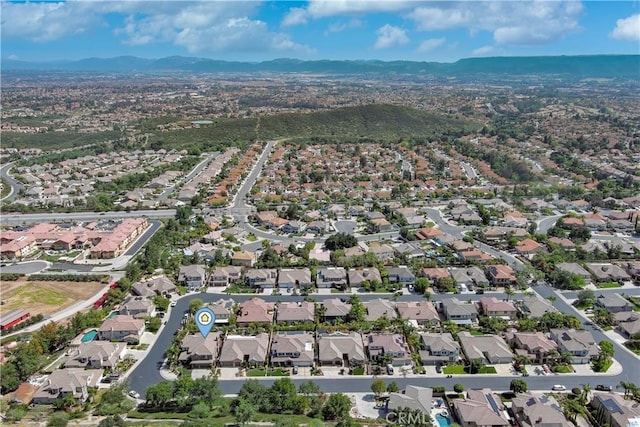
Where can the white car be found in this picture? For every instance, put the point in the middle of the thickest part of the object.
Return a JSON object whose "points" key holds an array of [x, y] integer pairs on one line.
{"points": [[173, 303], [134, 394], [558, 387]]}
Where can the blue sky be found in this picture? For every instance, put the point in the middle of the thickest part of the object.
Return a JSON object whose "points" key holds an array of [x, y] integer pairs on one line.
{"points": [[317, 29]]}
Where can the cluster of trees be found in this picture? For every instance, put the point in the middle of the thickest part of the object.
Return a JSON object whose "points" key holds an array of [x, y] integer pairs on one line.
{"points": [[603, 361], [504, 165], [184, 393], [102, 278], [283, 398], [340, 241]]}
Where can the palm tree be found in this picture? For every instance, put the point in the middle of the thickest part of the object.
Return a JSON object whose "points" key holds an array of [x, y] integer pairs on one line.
{"points": [[565, 357], [522, 360], [626, 386], [510, 292], [584, 396], [552, 356], [571, 408]]}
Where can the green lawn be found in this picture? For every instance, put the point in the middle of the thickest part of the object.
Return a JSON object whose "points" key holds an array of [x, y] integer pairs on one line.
{"points": [[236, 289], [358, 371], [487, 370], [563, 369], [453, 369], [608, 285], [278, 372], [476, 333]]}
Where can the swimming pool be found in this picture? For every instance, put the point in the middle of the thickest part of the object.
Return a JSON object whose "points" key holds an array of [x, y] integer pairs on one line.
{"points": [[113, 313], [89, 336], [443, 421]]}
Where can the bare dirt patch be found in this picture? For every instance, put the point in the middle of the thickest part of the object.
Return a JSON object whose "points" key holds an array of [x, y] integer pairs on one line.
{"points": [[45, 297]]}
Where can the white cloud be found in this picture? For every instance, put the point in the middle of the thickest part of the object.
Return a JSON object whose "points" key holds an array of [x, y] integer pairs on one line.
{"points": [[200, 26], [484, 51], [627, 29], [338, 27], [390, 36], [431, 44], [511, 22], [296, 16]]}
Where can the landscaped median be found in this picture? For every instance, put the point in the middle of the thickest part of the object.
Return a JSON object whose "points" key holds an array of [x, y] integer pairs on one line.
{"points": [[464, 370], [277, 372]]}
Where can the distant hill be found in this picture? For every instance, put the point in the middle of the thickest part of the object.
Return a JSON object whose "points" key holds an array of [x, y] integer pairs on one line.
{"points": [[594, 66]]}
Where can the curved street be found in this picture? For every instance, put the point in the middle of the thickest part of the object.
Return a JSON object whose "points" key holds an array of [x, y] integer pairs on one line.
{"points": [[15, 185]]}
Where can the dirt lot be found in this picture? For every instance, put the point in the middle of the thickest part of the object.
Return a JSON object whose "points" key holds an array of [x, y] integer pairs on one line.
{"points": [[45, 297]]}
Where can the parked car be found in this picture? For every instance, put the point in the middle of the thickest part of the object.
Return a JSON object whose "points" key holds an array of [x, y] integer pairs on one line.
{"points": [[439, 369], [480, 291], [134, 394], [294, 371], [558, 387], [389, 369], [602, 387], [173, 303]]}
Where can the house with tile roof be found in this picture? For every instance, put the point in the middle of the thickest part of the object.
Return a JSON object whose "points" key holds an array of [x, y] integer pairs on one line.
{"points": [[333, 309], [421, 312], [493, 307], [487, 348], [341, 349], [481, 408], [292, 312], [438, 348], [198, 352], [580, 344], [538, 411], [295, 348], [244, 350], [95, 355], [255, 310], [121, 328]]}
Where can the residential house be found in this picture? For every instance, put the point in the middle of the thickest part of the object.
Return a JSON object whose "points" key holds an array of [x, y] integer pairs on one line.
{"points": [[413, 397], [380, 225], [534, 345], [255, 310], [222, 309], [95, 355], [292, 312], [436, 274], [493, 307], [438, 349], [341, 349], [317, 227], [263, 278], [528, 247], [333, 309], [357, 277], [225, 276], [292, 349], [563, 242], [409, 251], [481, 408], [538, 411], [573, 268], [377, 308], [607, 272], [501, 275], [161, 285], [121, 328], [68, 381], [388, 345], [294, 278], [628, 323], [401, 275], [138, 307], [420, 312], [382, 252], [244, 350], [428, 233], [193, 277], [263, 217], [614, 410], [534, 306], [244, 259], [487, 348], [614, 303], [328, 277], [580, 344], [458, 312], [469, 277], [198, 352]]}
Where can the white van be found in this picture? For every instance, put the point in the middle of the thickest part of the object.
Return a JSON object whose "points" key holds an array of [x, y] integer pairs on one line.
{"points": [[558, 387]]}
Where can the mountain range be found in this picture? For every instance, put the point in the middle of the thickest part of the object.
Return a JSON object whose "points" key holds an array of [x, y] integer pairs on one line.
{"points": [[592, 66]]}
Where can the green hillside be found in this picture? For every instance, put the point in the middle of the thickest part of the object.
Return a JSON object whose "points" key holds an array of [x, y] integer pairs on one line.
{"points": [[373, 122]]}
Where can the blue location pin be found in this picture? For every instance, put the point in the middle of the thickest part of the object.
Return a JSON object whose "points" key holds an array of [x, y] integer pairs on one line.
{"points": [[205, 320]]}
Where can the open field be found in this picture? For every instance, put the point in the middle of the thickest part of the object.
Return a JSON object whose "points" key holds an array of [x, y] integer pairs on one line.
{"points": [[45, 297]]}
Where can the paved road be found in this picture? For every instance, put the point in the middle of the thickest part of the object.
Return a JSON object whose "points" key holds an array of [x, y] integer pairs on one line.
{"points": [[17, 219], [545, 224], [239, 200], [15, 185], [195, 172], [28, 267], [142, 240]]}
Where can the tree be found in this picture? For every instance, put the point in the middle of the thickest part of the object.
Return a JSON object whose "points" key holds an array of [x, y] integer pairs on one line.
{"points": [[112, 421], [282, 395], [584, 396], [571, 408], [199, 410], [195, 305], [309, 388], [378, 386], [586, 298], [244, 411], [340, 241], [337, 407], [458, 388], [159, 394], [606, 349], [58, 419], [518, 386], [393, 387], [253, 392]]}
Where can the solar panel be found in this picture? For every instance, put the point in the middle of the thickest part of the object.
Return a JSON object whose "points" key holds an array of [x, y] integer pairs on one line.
{"points": [[492, 402], [611, 405]]}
